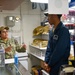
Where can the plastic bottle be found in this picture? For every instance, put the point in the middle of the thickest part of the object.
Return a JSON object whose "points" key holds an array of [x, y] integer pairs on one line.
{"points": [[16, 60]]}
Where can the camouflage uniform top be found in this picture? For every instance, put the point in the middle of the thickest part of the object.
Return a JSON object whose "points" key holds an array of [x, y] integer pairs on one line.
{"points": [[15, 47]]}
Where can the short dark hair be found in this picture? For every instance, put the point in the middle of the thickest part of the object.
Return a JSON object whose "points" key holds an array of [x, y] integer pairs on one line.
{"points": [[59, 16], [0, 32]]}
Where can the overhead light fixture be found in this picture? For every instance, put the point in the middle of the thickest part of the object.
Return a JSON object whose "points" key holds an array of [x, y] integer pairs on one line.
{"points": [[39, 1], [11, 18], [43, 1], [17, 19]]}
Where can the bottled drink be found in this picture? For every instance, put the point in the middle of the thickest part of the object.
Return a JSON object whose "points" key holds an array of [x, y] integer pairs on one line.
{"points": [[16, 60]]}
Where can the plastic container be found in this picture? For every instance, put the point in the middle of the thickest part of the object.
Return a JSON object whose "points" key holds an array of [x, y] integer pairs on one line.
{"points": [[16, 60], [2, 56]]}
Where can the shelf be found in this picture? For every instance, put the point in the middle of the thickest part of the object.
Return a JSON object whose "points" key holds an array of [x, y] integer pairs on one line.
{"points": [[39, 47], [21, 56], [67, 23], [44, 72], [41, 58]]}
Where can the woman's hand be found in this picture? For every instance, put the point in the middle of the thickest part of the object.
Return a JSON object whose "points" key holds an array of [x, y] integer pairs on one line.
{"points": [[24, 46]]}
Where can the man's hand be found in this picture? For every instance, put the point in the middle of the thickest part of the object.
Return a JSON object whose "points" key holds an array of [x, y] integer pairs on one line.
{"points": [[24, 46], [46, 67], [8, 49]]}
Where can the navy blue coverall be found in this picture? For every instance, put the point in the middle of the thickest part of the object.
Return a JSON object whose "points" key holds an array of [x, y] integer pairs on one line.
{"points": [[58, 49]]}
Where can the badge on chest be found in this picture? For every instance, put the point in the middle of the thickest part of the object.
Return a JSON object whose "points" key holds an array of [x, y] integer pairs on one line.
{"points": [[55, 37]]}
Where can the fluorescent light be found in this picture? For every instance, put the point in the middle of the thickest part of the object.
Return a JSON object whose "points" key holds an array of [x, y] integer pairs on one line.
{"points": [[11, 18], [39, 1], [43, 1]]}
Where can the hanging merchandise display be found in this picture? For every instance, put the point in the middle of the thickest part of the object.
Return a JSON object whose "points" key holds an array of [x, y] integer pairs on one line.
{"points": [[10, 21]]}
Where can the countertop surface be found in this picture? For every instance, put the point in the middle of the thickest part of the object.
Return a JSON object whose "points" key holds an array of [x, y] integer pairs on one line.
{"points": [[20, 70]]}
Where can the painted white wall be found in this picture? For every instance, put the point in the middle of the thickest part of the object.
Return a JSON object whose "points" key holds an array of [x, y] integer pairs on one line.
{"points": [[30, 18]]}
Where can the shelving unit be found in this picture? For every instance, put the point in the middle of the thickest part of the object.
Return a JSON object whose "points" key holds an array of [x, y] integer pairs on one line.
{"points": [[41, 58], [71, 27], [44, 72], [39, 47], [38, 53]]}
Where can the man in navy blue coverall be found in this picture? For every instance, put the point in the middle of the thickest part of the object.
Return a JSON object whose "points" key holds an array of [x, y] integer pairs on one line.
{"points": [[58, 49]]}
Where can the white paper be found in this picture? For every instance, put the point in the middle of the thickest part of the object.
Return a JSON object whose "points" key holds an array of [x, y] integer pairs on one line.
{"points": [[8, 61], [22, 54], [58, 7]]}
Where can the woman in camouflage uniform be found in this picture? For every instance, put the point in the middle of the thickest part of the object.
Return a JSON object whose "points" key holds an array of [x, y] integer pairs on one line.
{"points": [[9, 45]]}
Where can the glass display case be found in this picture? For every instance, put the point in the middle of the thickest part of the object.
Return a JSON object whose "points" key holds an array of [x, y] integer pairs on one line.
{"points": [[10, 68], [8, 71]]}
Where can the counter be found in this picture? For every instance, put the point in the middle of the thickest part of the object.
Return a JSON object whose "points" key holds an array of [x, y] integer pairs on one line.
{"points": [[23, 70], [7, 71], [15, 71], [20, 70]]}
